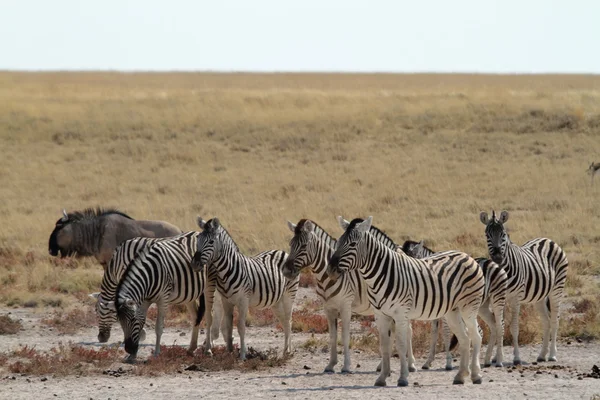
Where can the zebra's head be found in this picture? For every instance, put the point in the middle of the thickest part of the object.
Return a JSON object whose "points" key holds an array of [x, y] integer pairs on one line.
{"points": [[105, 315], [349, 253], [303, 250], [207, 243], [495, 233], [131, 322]]}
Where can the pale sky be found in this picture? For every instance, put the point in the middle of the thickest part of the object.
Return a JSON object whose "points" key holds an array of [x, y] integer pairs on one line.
{"points": [[527, 36]]}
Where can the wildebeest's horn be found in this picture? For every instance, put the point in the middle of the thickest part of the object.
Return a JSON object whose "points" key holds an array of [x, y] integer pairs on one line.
{"points": [[65, 216]]}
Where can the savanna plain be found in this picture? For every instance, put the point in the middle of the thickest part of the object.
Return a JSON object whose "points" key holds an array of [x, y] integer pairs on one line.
{"points": [[423, 154]]}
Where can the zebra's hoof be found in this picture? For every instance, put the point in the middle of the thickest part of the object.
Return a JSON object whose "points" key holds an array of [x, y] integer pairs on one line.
{"points": [[412, 369], [541, 359], [487, 365], [379, 383], [448, 368], [346, 371], [378, 369], [329, 370], [477, 381], [457, 382], [499, 365], [402, 382], [517, 362], [552, 359], [425, 367]]}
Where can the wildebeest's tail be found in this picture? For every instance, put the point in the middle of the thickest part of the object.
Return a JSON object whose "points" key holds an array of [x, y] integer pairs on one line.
{"points": [[201, 310]]}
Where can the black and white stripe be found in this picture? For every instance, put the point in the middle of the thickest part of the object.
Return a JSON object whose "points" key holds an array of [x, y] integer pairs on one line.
{"points": [[160, 273], [536, 273], [401, 288], [491, 310], [311, 247], [243, 282]]}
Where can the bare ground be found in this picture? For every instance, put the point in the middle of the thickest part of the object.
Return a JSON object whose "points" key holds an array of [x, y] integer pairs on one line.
{"points": [[301, 377]]}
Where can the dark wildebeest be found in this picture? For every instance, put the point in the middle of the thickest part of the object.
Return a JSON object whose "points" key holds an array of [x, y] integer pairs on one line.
{"points": [[98, 232]]}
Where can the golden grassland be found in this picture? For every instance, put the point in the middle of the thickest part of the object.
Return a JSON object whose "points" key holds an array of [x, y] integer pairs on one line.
{"points": [[423, 154]]}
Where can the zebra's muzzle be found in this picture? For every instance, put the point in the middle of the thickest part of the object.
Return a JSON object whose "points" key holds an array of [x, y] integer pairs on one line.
{"points": [[288, 270], [131, 347], [333, 268], [197, 265]]}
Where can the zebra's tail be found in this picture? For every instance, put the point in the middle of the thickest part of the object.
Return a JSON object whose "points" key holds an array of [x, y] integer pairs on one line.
{"points": [[201, 310]]}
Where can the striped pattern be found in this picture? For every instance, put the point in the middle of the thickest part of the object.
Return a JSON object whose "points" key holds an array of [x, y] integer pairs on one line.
{"points": [[160, 273], [311, 247], [243, 282], [401, 288], [536, 273], [491, 310]]}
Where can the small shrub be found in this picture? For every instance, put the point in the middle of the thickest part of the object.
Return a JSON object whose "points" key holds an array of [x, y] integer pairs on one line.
{"points": [[72, 321], [9, 326]]}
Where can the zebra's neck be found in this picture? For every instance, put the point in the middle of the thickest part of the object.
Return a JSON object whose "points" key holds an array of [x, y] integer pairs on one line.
{"points": [[378, 259], [229, 256], [136, 281]]}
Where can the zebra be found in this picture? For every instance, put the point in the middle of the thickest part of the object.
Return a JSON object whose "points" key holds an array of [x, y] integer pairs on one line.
{"points": [[491, 310], [121, 258], [243, 282], [159, 274], [311, 247], [400, 288], [536, 271]]}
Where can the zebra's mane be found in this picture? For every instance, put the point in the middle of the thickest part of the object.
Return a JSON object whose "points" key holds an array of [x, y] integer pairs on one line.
{"points": [[380, 235], [93, 213], [320, 232]]}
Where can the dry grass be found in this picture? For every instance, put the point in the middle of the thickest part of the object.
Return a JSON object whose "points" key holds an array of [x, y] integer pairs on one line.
{"points": [[422, 153], [70, 322]]}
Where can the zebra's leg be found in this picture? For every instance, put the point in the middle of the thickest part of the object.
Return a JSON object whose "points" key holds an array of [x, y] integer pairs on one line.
{"points": [[545, 318], [209, 298], [514, 330], [499, 315], [486, 315], [402, 331], [217, 316], [432, 344], [409, 350], [283, 311], [228, 324], [554, 317], [161, 308], [346, 315], [470, 319], [384, 326], [192, 308], [241, 325], [457, 326], [332, 315], [447, 337]]}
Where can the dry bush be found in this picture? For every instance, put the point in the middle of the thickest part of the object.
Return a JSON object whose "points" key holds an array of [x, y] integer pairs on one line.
{"points": [[71, 321], [9, 326], [307, 279], [61, 361], [260, 317], [305, 320], [583, 320]]}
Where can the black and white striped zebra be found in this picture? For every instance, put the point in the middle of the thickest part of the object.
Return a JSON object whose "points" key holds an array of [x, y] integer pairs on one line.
{"points": [[243, 282], [401, 288], [491, 310], [536, 271], [311, 247], [121, 258], [160, 274]]}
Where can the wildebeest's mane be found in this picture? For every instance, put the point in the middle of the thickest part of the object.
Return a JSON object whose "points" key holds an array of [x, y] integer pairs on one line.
{"points": [[92, 213]]}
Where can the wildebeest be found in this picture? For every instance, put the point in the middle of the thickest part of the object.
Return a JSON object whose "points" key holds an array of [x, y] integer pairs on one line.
{"points": [[97, 232]]}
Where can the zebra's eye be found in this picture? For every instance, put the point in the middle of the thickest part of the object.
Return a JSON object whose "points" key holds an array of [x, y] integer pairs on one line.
{"points": [[352, 245]]}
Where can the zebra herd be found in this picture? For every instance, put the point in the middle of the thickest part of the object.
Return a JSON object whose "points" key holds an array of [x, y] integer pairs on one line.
{"points": [[363, 272]]}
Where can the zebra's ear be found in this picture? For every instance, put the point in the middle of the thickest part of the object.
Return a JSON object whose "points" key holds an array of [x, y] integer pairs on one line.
{"points": [[65, 217], [201, 222], [95, 295], [343, 223], [504, 216], [483, 217], [291, 226], [215, 223], [308, 226], [364, 226]]}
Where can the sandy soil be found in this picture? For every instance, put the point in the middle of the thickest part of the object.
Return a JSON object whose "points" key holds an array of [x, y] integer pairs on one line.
{"points": [[301, 378]]}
